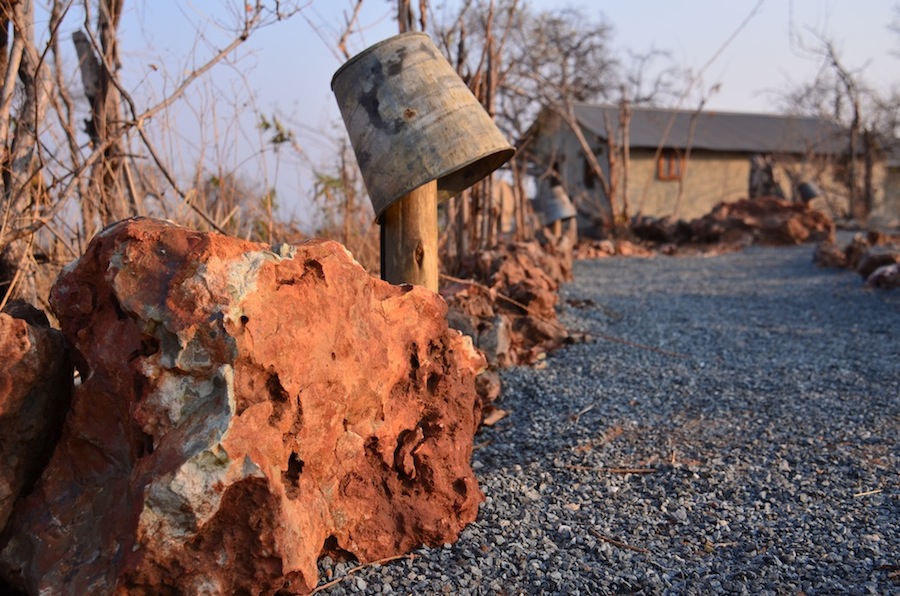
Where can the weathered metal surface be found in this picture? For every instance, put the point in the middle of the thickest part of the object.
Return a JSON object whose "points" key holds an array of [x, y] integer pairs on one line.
{"points": [[554, 205], [808, 191], [411, 119], [717, 131]]}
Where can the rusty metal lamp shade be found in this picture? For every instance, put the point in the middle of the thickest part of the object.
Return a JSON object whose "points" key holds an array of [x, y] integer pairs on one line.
{"points": [[411, 120]]}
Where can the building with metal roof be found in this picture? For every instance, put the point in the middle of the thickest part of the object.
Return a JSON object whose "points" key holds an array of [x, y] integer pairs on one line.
{"points": [[717, 131], [681, 163]]}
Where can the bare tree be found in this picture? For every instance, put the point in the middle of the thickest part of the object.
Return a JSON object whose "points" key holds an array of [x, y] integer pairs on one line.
{"points": [[24, 197], [840, 94], [475, 41], [59, 180], [343, 212], [559, 59], [895, 25], [851, 91], [518, 62], [650, 78], [550, 62]]}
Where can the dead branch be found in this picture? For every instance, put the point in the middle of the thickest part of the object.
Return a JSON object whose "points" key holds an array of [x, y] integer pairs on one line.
{"points": [[358, 568], [577, 416], [610, 470], [567, 113], [867, 493], [618, 543], [342, 42], [138, 119], [664, 138]]}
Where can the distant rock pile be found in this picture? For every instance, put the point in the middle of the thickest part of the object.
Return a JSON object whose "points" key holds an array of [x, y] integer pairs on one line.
{"points": [[244, 410], [598, 249], [506, 300], [761, 220], [874, 255]]}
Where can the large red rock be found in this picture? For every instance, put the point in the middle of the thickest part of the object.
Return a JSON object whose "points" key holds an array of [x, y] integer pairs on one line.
{"points": [[35, 387], [244, 410], [765, 220], [829, 254], [886, 277], [876, 257]]}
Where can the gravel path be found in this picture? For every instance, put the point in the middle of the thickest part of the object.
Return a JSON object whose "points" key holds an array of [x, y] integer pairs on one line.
{"points": [[756, 401]]}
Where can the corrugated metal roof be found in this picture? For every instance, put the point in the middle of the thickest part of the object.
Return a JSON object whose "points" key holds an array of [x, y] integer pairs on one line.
{"points": [[719, 131]]}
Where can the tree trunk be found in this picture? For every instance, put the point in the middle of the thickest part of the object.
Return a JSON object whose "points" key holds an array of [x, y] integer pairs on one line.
{"points": [[625, 126], [870, 149], [23, 186], [612, 161], [568, 116], [857, 208], [108, 176]]}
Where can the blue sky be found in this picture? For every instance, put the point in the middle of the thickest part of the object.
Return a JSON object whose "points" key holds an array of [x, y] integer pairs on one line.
{"points": [[287, 67]]}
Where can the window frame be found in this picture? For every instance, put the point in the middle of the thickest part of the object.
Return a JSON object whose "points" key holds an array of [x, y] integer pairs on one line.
{"points": [[670, 166]]}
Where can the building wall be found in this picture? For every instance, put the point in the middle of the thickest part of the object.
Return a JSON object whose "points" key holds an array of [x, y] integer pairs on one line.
{"points": [[708, 179], [713, 177], [834, 198], [889, 209]]}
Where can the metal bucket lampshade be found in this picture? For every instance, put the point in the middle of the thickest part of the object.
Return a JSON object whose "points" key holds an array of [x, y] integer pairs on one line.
{"points": [[554, 204], [807, 191], [411, 120]]}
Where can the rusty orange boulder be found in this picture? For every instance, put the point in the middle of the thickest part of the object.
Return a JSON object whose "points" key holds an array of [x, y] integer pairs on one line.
{"points": [[763, 220], [35, 387], [245, 409]]}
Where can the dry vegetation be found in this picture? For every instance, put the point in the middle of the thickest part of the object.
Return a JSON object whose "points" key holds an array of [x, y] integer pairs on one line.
{"points": [[80, 151]]}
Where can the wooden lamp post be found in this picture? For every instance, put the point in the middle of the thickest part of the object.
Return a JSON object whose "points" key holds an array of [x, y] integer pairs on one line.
{"points": [[420, 137]]}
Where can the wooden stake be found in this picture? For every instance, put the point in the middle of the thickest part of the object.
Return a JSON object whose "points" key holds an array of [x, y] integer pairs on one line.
{"points": [[557, 228], [409, 238]]}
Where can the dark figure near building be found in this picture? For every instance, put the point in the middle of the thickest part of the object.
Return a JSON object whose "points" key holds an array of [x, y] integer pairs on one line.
{"points": [[762, 178]]}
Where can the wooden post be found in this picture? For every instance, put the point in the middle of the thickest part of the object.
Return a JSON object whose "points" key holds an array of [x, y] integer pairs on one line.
{"points": [[409, 238], [411, 118], [557, 228]]}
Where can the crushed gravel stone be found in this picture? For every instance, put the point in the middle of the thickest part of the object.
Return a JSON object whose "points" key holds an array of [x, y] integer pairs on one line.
{"points": [[732, 428]]}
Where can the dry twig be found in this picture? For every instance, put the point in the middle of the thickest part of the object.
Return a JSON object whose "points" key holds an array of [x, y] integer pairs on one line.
{"points": [[577, 415], [618, 543], [610, 470], [351, 21], [867, 493], [350, 572]]}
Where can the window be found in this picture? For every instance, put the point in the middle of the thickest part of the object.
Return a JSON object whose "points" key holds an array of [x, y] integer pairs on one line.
{"points": [[589, 179], [669, 165]]}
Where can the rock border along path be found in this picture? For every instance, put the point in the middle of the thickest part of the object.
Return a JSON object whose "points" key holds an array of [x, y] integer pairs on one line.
{"points": [[737, 431]]}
